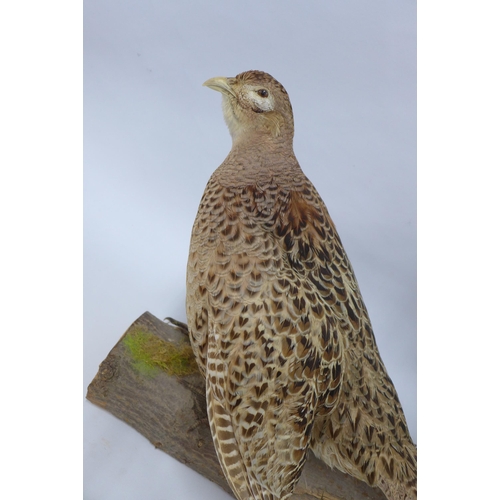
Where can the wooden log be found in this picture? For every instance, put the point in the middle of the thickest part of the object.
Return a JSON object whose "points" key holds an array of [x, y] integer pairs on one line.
{"points": [[150, 381]]}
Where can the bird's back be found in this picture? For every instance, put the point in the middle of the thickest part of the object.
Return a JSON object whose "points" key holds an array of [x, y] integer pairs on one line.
{"points": [[278, 322]]}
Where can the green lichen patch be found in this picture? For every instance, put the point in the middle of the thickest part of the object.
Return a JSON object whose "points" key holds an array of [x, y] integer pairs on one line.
{"points": [[151, 354]]}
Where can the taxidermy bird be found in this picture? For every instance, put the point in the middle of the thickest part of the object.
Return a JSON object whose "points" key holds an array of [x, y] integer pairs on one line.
{"points": [[277, 322]]}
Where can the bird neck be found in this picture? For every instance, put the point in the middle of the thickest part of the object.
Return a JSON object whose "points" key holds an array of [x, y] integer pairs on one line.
{"points": [[259, 159]]}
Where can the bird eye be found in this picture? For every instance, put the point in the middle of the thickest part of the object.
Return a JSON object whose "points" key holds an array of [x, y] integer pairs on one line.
{"points": [[263, 92]]}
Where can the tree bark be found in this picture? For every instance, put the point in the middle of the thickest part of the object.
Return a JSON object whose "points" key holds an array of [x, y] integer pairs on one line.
{"points": [[170, 411]]}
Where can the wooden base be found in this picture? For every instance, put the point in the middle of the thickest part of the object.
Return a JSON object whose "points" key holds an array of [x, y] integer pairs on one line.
{"points": [[162, 395]]}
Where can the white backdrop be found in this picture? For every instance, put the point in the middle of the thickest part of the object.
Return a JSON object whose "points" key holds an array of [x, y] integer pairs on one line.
{"points": [[153, 135]]}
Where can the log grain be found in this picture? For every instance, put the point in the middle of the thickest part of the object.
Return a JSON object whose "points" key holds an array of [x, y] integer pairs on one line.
{"points": [[166, 404]]}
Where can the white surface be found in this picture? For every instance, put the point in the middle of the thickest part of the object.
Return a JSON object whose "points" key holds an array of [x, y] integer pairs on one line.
{"points": [[153, 135]]}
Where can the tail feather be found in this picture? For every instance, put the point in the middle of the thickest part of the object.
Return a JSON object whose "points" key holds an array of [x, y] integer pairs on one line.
{"points": [[228, 453]]}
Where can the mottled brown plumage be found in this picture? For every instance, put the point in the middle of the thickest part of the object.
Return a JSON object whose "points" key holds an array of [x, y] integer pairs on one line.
{"points": [[277, 321]]}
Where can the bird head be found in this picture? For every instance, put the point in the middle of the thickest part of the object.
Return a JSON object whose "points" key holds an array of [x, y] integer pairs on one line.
{"points": [[254, 105]]}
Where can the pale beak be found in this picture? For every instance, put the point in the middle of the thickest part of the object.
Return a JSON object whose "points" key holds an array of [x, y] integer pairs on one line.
{"points": [[221, 84]]}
